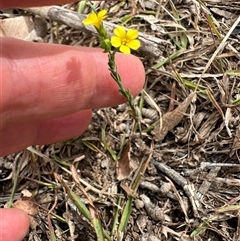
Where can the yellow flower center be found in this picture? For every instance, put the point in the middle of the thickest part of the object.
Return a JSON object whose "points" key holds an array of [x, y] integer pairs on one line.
{"points": [[125, 41]]}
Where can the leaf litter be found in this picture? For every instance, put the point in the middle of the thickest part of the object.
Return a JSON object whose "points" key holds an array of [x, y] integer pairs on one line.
{"points": [[185, 180]]}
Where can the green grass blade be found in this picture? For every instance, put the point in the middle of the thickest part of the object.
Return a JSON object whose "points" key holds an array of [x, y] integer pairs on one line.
{"points": [[125, 215], [77, 201]]}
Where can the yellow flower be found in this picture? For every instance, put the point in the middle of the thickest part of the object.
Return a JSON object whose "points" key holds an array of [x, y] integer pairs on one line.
{"points": [[125, 40], [95, 19]]}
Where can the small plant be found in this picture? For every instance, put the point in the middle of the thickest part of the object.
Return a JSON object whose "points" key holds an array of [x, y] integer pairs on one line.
{"points": [[124, 41]]}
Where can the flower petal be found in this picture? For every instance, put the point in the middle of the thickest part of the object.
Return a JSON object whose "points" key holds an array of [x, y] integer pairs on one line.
{"points": [[120, 32], [102, 14], [132, 34], [95, 19], [91, 18], [116, 41], [125, 49], [134, 44], [86, 22]]}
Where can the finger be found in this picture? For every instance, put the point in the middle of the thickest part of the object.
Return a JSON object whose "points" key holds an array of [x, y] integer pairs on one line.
{"points": [[54, 130], [14, 224], [47, 81]]}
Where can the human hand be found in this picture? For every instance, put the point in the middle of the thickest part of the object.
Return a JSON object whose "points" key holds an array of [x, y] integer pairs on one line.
{"points": [[47, 93]]}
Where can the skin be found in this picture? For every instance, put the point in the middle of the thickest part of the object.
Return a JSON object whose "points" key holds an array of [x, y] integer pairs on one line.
{"points": [[47, 93], [13, 225]]}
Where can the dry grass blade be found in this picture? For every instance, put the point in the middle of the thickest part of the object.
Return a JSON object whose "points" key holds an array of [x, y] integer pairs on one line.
{"points": [[76, 200], [51, 230], [215, 103], [220, 47], [95, 219], [134, 186]]}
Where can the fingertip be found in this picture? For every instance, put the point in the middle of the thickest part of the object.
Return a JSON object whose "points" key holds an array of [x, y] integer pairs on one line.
{"points": [[14, 224], [132, 72]]}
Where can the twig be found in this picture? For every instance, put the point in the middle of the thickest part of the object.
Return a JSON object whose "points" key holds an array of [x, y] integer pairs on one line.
{"points": [[180, 180], [149, 44]]}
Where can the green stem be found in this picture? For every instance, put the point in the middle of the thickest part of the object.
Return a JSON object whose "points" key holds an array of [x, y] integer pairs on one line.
{"points": [[124, 92]]}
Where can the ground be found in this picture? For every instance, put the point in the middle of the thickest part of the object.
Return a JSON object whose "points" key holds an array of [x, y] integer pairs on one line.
{"points": [[172, 174]]}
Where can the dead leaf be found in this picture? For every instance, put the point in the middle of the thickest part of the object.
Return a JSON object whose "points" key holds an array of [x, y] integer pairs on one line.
{"points": [[223, 13], [123, 167], [24, 27], [128, 190], [18, 27], [172, 119], [28, 204]]}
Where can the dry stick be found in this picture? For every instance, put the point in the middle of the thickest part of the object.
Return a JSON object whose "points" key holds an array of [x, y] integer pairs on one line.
{"points": [[163, 190], [180, 200], [180, 180], [149, 44], [154, 211], [206, 184]]}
